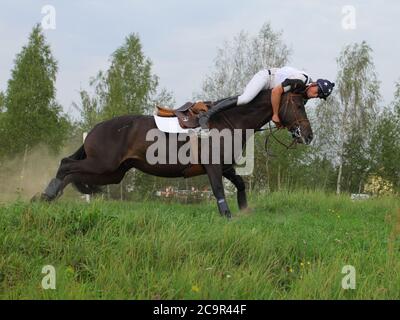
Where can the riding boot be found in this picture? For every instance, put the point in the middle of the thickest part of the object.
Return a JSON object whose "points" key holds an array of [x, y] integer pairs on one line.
{"points": [[223, 105]]}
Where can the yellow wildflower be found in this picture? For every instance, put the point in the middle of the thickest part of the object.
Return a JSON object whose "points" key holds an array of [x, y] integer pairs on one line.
{"points": [[70, 270], [195, 288]]}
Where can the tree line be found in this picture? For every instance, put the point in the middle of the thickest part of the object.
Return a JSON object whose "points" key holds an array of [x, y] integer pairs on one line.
{"points": [[355, 150]]}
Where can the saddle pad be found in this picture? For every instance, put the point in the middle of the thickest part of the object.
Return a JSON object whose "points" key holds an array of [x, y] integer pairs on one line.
{"points": [[170, 125]]}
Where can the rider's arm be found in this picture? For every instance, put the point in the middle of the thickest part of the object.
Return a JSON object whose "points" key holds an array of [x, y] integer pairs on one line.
{"points": [[276, 95], [289, 85]]}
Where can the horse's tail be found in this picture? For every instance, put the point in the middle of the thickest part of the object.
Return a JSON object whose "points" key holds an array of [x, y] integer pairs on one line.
{"points": [[80, 154]]}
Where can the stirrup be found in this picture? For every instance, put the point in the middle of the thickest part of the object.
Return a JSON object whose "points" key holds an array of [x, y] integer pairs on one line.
{"points": [[203, 121], [203, 133]]}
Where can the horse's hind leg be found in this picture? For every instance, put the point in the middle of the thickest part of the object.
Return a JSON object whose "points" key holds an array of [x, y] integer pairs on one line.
{"points": [[68, 167], [87, 165], [91, 180], [63, 178], [238, 182], [55, 186]]}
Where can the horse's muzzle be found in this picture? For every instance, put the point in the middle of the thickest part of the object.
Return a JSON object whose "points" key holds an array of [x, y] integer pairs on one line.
{"points": [[309, 138], [300, 137]]}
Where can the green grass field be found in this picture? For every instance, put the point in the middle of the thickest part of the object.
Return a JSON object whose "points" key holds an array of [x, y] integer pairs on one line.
{"points": [[292, 246]]}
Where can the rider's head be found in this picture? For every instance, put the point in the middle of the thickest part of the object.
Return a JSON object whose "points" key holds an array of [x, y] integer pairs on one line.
{"points": [[312, 91], [320, 89]]}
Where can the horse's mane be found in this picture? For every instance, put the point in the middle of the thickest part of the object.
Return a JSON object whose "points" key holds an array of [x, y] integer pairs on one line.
{"points": [[253, 112]]}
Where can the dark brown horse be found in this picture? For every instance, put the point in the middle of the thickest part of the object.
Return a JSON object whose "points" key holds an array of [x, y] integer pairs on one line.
{"points": [[117, 145]]}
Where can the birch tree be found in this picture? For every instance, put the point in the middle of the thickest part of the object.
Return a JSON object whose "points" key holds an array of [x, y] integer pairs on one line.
{"points": [[345, 120], [385, 144], [236, 62], [239, 59]]}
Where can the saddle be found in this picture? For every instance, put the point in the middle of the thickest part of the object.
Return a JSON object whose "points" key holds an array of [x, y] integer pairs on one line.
{"points": [[188, 114]]}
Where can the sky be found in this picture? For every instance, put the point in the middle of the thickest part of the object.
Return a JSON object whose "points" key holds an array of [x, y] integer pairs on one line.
{"points": [[181, 38]]}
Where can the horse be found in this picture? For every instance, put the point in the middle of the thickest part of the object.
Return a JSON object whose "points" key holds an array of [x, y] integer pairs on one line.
{"points": [[115, 146]]}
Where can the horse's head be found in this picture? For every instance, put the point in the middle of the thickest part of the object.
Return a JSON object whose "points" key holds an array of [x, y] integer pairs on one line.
{"points": [[294, 117]]}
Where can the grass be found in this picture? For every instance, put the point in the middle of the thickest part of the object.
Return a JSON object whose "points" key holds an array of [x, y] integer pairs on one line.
{"points": [[292, 246]]}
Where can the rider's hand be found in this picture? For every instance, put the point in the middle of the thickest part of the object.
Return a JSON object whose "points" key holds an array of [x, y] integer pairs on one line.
{"points": [[277, 121]]}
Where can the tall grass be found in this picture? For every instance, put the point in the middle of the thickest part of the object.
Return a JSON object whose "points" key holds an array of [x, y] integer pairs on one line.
{"points": [[292, 246]]}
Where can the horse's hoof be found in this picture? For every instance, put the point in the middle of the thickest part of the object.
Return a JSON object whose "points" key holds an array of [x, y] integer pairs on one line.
{"points": [[46, 198], [36, 198], [40, 197]]}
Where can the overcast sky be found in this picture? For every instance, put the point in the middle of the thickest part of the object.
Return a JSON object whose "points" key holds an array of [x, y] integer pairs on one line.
{"points": [[181, 37]]}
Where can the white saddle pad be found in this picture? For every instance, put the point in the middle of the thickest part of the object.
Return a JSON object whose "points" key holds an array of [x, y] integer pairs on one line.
{"points": [[171, 125]]}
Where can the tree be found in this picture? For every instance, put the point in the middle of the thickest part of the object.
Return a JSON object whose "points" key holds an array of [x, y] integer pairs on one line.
{"points": [[127, 87], [237, 61], [162, 98], [385, 145], [32, 114], [3, 142], [396, 101], [2, 102], [128, 83], [346, 119], [89, 109], [235, 64]]}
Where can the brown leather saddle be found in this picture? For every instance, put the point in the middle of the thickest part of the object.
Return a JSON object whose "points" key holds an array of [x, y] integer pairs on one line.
{"points": [[188, 114]]}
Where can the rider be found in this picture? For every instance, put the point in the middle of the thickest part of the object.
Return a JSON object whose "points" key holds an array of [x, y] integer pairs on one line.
{"points": [[280, 80]]}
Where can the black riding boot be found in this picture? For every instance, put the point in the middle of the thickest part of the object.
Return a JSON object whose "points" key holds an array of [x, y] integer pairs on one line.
{"points": [[223, 105]]}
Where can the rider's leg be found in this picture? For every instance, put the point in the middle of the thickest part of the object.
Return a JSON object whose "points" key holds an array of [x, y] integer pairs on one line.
{"points": [[257, 83]]}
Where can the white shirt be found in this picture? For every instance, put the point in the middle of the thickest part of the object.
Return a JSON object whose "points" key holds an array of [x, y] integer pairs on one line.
{"points": [[278, 75]]}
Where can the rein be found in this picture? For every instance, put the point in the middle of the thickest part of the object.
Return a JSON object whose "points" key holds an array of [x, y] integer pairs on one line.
{"points": [[296, 133], [293, 127], [271, 132]]}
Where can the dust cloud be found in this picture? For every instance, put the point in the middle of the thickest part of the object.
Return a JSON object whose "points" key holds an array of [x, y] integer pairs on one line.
{"points": [[28, 173]]}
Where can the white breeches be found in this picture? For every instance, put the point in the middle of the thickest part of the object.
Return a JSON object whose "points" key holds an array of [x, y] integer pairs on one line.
{"points": [[261, 80]]}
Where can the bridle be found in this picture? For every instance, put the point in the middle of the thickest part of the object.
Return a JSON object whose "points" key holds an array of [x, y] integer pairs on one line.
{"points": [[293, 127]]}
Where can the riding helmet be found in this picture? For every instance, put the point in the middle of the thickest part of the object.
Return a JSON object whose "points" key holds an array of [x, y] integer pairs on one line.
{"points": [[325, 88]]}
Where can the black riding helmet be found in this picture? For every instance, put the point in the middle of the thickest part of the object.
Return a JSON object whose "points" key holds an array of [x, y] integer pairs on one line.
{"points": [[325, 88]]}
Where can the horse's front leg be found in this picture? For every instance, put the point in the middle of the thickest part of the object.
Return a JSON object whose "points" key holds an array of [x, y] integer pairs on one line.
{"points": [[214, 172]]}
